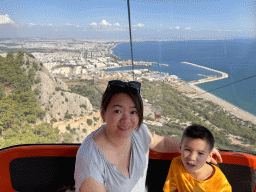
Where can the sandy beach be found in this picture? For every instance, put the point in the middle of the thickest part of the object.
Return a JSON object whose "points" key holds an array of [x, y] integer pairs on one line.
{"points": [[238, 112]]}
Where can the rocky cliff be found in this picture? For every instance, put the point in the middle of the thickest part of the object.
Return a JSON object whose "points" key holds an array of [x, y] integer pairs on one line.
{"points": [[54, 96]]}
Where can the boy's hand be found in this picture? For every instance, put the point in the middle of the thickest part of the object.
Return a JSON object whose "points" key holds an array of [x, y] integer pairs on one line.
{"points": [[215, 153]]}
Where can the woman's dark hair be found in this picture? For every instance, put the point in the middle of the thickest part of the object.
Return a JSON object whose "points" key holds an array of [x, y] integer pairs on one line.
{"points": [[199, 132], [135, 96]]}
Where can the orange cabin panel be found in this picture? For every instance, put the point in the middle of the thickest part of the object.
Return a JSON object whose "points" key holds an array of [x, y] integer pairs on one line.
{"points": [[70, 150]]}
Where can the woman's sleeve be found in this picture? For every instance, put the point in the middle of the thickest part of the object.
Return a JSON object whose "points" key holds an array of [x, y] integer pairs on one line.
{"points": [[145, 133], [88, 164]]}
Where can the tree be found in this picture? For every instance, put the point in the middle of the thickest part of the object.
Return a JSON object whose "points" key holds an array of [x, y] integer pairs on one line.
{"points": [[38, 80], [83, 105], [31, 118], [1, 143], [27, 62], [68, 127], [10, 55], [35, 66], [2, 90], [57, 88], [1, 128], [67, 115], [37, 91], [89, 122], [67, 138], [31, 75]]}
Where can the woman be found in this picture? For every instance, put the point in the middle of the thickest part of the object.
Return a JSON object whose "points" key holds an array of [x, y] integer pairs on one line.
{"points": [[115, 157]]}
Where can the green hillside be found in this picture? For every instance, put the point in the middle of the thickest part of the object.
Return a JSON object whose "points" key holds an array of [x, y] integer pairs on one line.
{"points": [[181, 110], [19, 110]]}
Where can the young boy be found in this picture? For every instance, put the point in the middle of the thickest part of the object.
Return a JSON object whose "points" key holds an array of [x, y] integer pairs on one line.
{"points": [[190, 172]]}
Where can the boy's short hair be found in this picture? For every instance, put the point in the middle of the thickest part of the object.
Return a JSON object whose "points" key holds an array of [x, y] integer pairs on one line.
{"points": [[199, 132]]}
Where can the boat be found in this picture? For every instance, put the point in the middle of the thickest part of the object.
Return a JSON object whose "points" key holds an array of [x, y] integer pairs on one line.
{"points": [[50, 167], [163, 64]]}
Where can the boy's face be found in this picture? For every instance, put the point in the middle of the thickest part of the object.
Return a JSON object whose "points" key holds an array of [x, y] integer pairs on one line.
{"points": [[194, 154]]}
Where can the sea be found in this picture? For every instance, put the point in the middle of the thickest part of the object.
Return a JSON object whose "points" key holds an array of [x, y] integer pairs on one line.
{"points": [[237, 57]]}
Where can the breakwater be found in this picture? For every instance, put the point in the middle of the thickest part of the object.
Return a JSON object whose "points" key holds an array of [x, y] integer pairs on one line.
{"points": [[223, 75]]}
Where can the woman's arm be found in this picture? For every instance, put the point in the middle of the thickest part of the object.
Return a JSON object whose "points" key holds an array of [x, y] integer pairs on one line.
{"points": [[163, 144], [90, 185], [216, 153], [169, 145]]}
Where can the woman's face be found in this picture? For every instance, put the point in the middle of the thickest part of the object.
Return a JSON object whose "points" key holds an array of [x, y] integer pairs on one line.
{"points": [[121, 116]]}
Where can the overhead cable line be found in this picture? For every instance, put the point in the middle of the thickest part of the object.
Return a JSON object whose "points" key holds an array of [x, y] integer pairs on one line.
{"points": [[129, 18], [226, 85]]}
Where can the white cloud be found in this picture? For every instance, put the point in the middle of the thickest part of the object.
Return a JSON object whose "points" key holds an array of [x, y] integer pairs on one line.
{"points": [[5, 19], [188, 28], [50, 24], [68, 24], [171, 28], [105, 23], [31, 24], [16, 25], [93, 24], [139, 25], [116, 24], [177, 27], [107, 26]]}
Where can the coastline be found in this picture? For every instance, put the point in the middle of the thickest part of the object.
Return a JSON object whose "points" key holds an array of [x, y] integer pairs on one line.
{"points": [[238, 112]]}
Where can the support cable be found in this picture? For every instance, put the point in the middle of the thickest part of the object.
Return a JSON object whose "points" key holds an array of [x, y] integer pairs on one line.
{"points": [[226, 85], [128, 5]]}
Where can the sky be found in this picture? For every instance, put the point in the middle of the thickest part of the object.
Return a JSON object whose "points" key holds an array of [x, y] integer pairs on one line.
{"points": [[108, 19]]}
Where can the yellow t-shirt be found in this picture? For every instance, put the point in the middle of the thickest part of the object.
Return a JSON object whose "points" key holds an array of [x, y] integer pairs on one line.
{"points": [[178, 178]]}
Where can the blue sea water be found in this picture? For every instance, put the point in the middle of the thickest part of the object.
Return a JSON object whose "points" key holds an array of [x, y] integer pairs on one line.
{"points": [[236, 57]]}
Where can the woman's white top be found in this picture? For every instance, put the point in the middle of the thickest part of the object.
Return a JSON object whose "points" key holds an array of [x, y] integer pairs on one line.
{"points": [[91, 162]]}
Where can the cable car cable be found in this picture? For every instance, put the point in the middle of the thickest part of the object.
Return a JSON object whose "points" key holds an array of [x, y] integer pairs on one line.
{"points": [[130, 31], [226, 85]]}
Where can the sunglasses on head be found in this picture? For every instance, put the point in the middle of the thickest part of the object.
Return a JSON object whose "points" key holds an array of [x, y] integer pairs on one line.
{"points": [[134, 86]]}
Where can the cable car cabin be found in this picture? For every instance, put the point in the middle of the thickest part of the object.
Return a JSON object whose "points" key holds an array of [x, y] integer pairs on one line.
{"points": [[50, 167]]}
